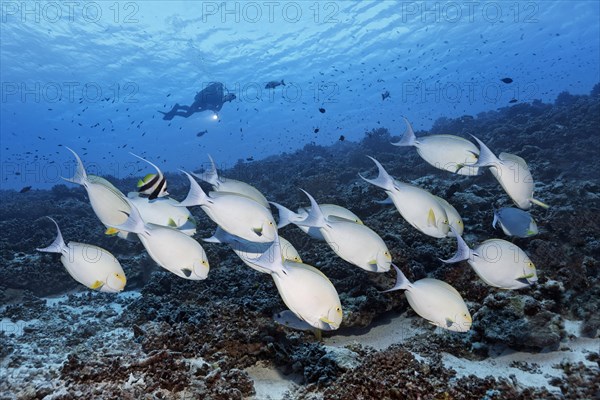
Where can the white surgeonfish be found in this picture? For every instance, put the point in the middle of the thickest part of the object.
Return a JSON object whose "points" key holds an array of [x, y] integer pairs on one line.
{"points": [[164, 211], [355, 243], [417, 206], [170, 248], [305, 290], [236, 214], [498, 263], [286, 217], [512, 173], [108, 202], [515, 222], [89, 265], [436, 301], [447, 152], [153, 185], [227, 185], [248, 251]]}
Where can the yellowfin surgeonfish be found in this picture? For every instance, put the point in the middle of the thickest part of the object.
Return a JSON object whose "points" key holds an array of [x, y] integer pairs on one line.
{"points": [[512, 172], [355, 243], [436, 301], [164, 211], [170, 248], [153, 185], [447, 152], [227, 185], [498, 263], [238, 215], [89, 265], [305, 290], [248, 251], [417, 206], [108, 202]]}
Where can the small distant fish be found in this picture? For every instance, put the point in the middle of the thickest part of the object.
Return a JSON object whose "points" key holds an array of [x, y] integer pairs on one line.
{"points": [[316, 130], [385, 95], [342, 138], [169, 95], [250, 158], [202, 133], [513, 101], [322, 110], [506, 80], [25, 189], [274, 84]]}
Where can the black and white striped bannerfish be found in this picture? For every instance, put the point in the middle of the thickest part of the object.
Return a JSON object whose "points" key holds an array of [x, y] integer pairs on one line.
{"points": [[153, 185]]}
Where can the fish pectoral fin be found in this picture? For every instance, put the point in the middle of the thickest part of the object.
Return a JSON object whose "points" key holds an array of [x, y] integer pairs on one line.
{"points": [[449, 322], [258, 231], [539, 203], [431, 218], [97, 285], [373, 265], [326, 320], [111, 231], [530, 232], [187, 272], [172, 223]]}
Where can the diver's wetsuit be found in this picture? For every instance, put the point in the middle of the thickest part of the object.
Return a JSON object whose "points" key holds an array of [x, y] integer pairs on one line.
{"points": [[209, 98]]}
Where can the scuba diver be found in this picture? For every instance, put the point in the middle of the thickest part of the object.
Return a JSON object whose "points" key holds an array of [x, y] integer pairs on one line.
{"points": [[211, 98]]}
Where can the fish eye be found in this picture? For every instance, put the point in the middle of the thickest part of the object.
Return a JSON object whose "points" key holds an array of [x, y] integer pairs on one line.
{"points": [[459, 222]]}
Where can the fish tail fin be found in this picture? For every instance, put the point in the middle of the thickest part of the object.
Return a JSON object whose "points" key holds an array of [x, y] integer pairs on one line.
{"points": [[486, 157], [134, 222], [385, 202], [196, 196], [383, 180], [286, 216], [271, 259], [409, 138], [463, 251], [315, 217], [80, 176], [402, 283], [539, 203], [282, 82], [220, 236], [58, 246], [495, 221], [211, 176]]}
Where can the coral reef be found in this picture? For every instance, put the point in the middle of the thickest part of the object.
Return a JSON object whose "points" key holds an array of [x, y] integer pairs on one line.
{"points": [[169, 338]]}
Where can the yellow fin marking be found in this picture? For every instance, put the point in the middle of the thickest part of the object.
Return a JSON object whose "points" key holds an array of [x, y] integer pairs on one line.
{"points": [[96, 285], [111, 231], [171, 223], [431, 218], [145, 179]]}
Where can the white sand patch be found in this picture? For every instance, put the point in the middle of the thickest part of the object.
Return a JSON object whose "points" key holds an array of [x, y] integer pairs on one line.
{"points": [[544, 365], [269, 383], [380, 335]]}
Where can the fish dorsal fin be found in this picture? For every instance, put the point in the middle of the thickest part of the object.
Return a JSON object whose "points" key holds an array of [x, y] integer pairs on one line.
{"points": [[337, 218], [402, 283], [409, 138], [383, 180], [152, 164], [58, 245], [80, 176]]}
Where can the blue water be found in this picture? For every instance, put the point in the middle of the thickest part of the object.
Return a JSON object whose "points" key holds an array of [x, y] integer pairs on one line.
{"points": [[92, 75]]}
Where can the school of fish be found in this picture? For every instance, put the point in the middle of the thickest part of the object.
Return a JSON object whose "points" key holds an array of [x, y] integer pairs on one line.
{"points": [[245, 222]]}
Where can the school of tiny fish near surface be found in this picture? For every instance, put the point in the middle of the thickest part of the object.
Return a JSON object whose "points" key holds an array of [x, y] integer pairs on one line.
{"points": [[244, 221]]}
